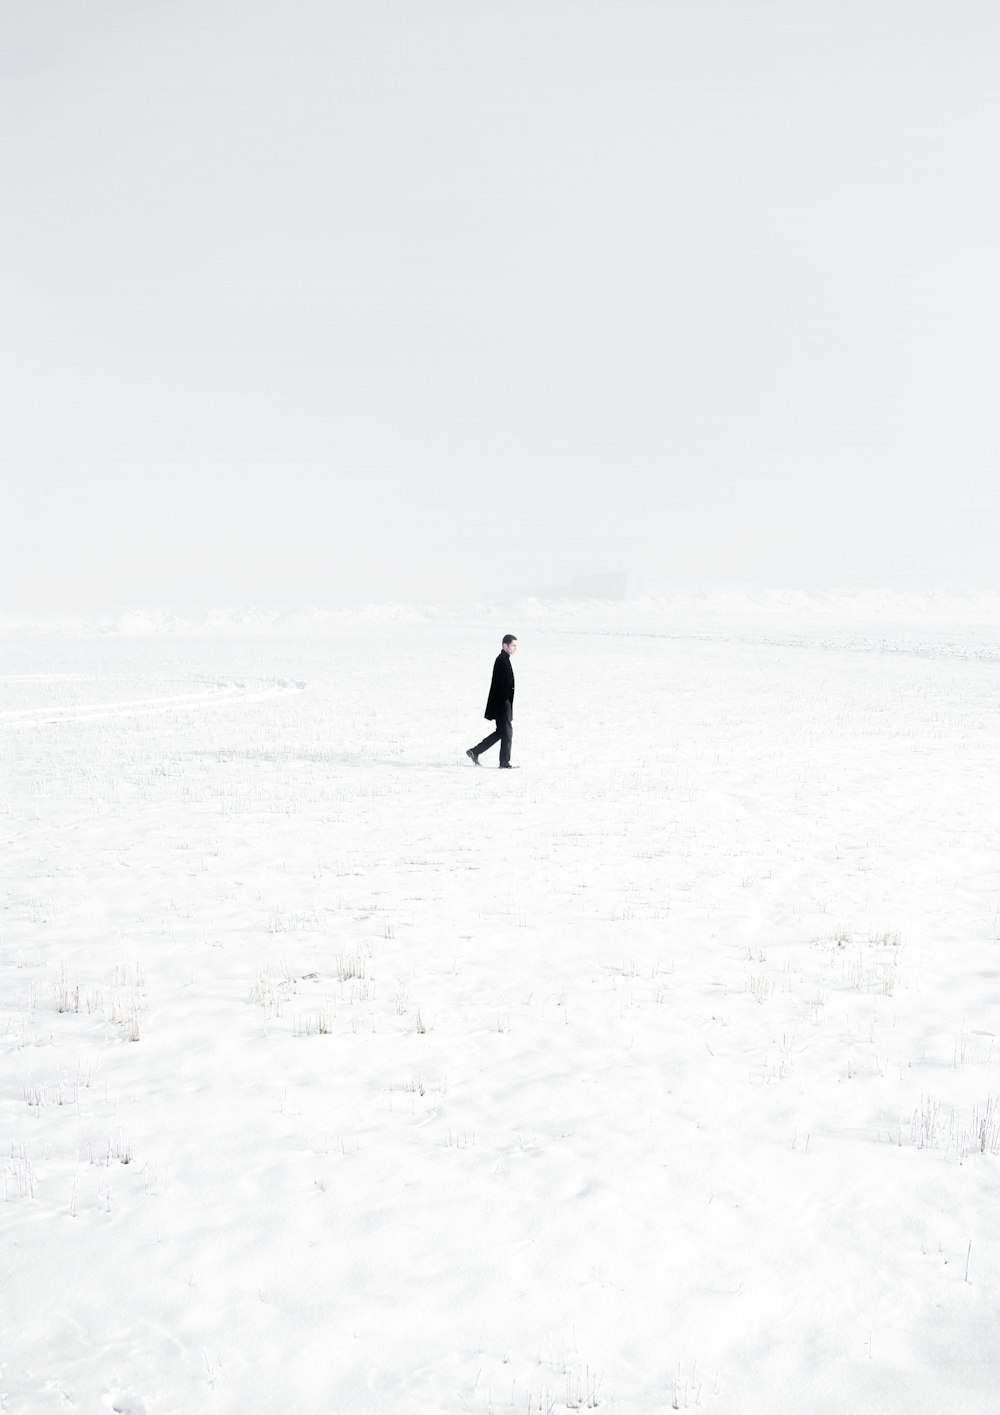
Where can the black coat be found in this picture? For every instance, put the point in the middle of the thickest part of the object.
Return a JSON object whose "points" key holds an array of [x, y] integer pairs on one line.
{"points": [[502, 687]]}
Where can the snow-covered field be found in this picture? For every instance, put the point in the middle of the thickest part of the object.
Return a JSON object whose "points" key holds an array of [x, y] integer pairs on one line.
{"points": [[340, 1076]]}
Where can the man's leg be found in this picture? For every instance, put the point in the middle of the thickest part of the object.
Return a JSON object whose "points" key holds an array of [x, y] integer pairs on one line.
{"points": [[487, 742], [505, 731]]}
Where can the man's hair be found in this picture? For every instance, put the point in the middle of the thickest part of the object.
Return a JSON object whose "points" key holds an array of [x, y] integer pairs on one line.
{"points": [[508, 639]]}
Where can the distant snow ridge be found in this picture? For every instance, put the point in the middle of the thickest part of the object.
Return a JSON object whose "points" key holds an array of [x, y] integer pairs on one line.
{"points": [[846, 603], [305, 614], [143, 622], [246, 617], [396, 613], [712, 608]]}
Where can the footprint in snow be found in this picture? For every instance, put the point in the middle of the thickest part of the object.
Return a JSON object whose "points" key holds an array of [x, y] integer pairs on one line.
{"points": [[121, 1404]]}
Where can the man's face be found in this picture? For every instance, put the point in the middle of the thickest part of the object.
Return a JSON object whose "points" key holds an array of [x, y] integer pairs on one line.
{"points": [[511, 648]]}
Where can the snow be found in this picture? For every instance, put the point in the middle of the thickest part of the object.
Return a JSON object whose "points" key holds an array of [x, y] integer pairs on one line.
{"points": [[715, 612], [662, 1073]]}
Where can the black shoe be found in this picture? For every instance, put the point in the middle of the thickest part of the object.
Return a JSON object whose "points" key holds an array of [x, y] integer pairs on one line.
{"points": [[506, 766], [473, 756]]}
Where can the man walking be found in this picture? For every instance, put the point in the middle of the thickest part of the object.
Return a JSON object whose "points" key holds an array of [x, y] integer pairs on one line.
{"points": [[500, 705]]}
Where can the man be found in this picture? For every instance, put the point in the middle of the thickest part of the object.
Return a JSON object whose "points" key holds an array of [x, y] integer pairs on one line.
{"points": [[500, 705]]}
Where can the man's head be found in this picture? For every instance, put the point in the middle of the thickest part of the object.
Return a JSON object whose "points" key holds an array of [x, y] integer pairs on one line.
{"points": [[510, 643]]}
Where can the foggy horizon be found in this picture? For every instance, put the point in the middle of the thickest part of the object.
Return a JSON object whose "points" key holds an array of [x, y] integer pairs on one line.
{"points": [[341, 304]]}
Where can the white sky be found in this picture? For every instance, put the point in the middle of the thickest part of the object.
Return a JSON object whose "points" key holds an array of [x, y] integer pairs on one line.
{"points": [[324, 301]]}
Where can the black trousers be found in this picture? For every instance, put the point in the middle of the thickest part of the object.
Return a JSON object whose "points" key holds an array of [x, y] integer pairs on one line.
{"points": [[504, 734]]}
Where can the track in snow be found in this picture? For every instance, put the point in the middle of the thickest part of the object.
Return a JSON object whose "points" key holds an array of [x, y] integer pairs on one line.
{"points": [[220, 695]]}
